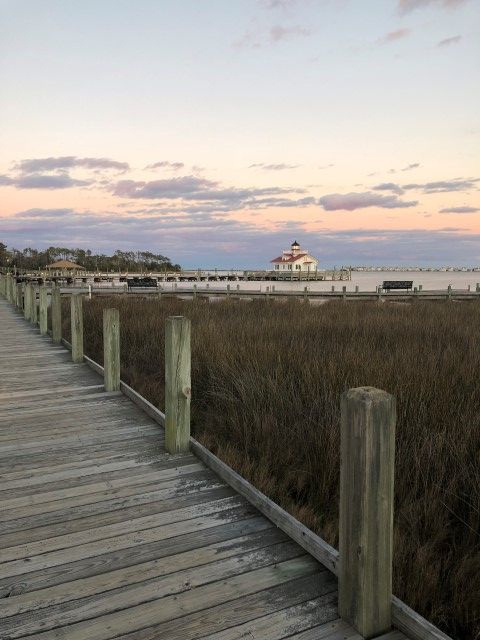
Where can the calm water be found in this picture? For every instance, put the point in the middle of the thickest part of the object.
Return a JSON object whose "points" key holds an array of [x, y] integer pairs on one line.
{"points": [[366, 281]]}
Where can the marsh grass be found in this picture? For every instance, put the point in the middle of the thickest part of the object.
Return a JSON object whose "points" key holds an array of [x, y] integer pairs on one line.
{"points": [[267, 379]]}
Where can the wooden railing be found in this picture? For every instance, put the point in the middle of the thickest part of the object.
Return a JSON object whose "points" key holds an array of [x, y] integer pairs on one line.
{"points": [[368, 416]]}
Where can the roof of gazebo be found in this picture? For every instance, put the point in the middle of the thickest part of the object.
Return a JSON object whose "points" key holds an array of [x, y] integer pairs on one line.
{"points": [[64, 264]]}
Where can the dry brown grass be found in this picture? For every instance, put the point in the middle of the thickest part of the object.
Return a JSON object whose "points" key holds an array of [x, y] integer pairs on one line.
{"points": [[267, 378]]}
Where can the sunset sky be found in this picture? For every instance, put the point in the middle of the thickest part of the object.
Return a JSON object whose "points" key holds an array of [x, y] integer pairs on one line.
{"points": [[216, 132]]}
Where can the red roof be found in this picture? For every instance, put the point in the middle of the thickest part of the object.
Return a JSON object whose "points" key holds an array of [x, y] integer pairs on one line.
{"points": [[290, 258]]}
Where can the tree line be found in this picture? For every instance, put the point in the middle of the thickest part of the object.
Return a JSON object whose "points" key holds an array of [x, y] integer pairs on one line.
{"points": [[119, 261]]}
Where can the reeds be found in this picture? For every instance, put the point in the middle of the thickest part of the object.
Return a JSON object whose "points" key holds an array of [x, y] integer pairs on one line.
{"points": [[267, 379]]}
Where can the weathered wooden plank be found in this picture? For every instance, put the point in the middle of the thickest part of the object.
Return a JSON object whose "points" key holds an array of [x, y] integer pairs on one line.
{"points": [[91, 505], [156, 588], [100, 470], [320, 613], [67, 444], [177, 605], [136, 445], [95, 458], [233, 612], [150, 521], [239, 525], [100, 547], [50, 436], [65, 391], [136, 506], [125, 576], [335, 630], [100, 487], [89, 475]]}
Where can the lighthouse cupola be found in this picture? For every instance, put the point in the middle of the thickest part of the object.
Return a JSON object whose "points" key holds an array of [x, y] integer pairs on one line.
{"points": [[295, 247]]}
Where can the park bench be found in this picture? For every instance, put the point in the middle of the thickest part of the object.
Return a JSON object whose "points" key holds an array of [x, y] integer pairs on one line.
{"points": [[388, 285], [141, 282]]}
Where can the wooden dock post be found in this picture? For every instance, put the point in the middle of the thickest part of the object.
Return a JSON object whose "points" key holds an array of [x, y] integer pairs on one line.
{"points": [[19, 296], [177, 384], [76, 324], [56, 311], [27, 301], [43, 311], [356, 288], [34, 307], [111, 349], [366, 509], [449, 292]]}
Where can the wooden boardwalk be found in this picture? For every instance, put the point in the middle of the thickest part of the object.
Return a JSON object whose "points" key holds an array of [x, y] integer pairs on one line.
{"points": [[105, 535]]}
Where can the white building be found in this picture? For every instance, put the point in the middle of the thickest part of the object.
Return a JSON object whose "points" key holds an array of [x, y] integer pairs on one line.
{"points": [[295, 259]]}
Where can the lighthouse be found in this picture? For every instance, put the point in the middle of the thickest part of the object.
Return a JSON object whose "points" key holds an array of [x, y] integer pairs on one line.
{"points": [[294, 259]]}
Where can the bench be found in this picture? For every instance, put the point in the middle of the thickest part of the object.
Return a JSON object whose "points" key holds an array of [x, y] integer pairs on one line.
{"points": [[141, 282], [388, 285]]}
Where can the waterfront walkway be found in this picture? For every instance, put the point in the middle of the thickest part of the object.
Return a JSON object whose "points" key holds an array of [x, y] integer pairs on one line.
{"points": [[104, 535]]}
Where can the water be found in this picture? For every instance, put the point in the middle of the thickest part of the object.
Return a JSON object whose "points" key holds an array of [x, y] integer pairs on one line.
{"points": [[366, 281]]}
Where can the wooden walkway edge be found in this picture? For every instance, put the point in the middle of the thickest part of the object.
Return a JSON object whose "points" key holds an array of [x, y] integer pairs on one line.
{"points": [[105, 535]]}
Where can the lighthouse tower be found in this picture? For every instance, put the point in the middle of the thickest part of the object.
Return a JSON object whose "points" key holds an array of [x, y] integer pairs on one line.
{"points": [[295, 248]]}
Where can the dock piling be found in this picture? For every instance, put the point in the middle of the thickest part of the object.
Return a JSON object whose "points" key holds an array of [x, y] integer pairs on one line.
{"points": [[76, 320], [177, 384], [368, 417], [111, 349], [56, 309], [43, 311]]}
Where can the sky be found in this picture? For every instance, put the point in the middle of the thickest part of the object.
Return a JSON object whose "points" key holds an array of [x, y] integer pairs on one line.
{"points": [[216, 132]]}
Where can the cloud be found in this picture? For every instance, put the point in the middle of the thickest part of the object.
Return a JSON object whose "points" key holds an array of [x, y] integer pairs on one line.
{"points": [[389, 186], [183, 187], [274, 35], [278, 4], [44, 213], [463, 209], [448, 41], [393, 36], [69, 162], [278, 33], [274, 167], [409, 167], [209, 196], [43, 181], [444, 186], [166, 164], [406, 6], [353, 201]]}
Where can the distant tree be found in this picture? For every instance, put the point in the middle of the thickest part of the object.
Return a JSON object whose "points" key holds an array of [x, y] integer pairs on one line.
{"points": [[32, 259]]}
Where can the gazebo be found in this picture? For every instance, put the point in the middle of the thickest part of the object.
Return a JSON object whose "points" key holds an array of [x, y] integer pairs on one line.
{"points": [[62, 267]]}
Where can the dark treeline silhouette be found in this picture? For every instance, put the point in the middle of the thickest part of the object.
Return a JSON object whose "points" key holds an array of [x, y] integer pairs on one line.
{"points": [[120, 260]]}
